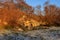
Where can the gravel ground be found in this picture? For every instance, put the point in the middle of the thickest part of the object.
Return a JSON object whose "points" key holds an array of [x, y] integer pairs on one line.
{"points": [[41, 34]]}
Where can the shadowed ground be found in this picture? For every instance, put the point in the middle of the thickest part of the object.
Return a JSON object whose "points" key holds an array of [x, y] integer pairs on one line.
{"points": [[53, 33]]}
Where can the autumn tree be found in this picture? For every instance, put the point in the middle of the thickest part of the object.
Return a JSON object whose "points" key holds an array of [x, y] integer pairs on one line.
{"points": [[51, 14]]}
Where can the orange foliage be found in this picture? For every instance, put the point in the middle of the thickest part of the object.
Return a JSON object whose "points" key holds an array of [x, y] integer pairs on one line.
{"points": [[52, 12], [11, 12]]}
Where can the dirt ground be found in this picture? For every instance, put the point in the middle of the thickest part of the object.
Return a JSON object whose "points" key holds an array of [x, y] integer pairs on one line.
{"points": [[53, 33]]}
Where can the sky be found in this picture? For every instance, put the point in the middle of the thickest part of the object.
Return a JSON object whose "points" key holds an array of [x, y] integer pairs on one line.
{"points": [[34, 3]]}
